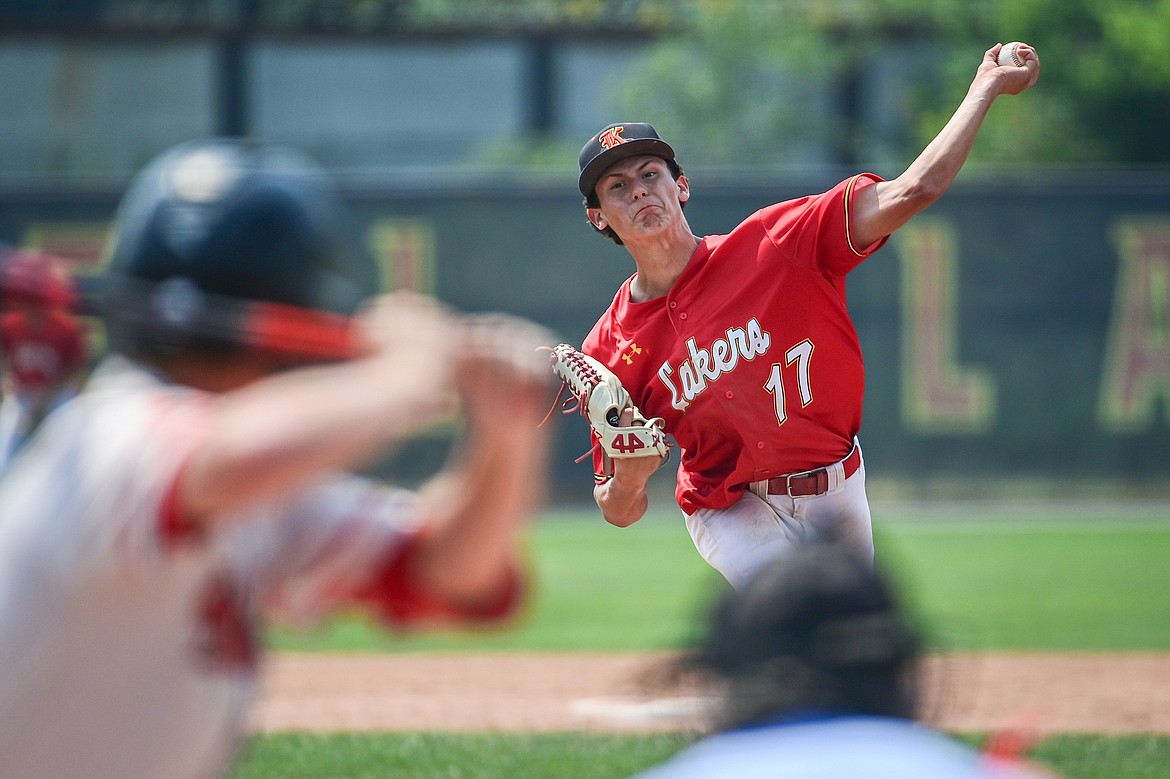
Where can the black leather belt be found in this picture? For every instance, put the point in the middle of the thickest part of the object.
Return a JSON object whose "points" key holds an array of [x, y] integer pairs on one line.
{"points": [[815, 482]]}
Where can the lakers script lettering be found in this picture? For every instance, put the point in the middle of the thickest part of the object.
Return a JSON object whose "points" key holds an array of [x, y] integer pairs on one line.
{"points": [[706, 365]]}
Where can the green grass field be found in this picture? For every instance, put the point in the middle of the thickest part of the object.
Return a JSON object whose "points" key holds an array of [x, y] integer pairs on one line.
{"points": [[591, 756], [978, 579]]}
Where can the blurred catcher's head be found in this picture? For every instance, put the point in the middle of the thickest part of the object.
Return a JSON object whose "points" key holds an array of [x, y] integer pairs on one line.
{"points": [[214, 228], [817, 631]]}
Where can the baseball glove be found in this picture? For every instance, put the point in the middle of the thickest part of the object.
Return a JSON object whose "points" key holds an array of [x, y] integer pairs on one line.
{"points": [[597, 394]]}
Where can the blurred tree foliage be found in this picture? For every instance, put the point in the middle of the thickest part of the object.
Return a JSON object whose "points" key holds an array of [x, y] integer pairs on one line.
{"points": [[747, 81], [344, 17], [757, 82]]}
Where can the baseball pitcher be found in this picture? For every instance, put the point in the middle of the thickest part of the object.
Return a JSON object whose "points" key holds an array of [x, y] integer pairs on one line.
{"points": [[742, 345]]}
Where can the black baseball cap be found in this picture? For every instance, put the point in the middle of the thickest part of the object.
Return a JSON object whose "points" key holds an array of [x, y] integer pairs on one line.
{"points": [[616, 142]]}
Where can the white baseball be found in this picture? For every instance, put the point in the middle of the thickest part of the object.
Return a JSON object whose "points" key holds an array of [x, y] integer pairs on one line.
{"points": [[1010, 54]]}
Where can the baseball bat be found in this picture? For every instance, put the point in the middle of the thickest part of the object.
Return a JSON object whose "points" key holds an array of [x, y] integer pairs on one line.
{"points": [[273, 327]]}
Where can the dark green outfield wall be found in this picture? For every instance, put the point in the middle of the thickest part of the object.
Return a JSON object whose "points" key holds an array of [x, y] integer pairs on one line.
{"points": [[1014, 331]]}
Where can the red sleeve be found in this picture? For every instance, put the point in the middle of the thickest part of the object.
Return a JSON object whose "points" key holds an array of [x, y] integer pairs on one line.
{"points": [[399, 601], [855, 185], [175, 529], [814, 231], [184, 425]]}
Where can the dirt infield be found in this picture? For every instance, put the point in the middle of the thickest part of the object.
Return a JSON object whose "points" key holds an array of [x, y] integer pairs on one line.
{"points": [[1087, 693]]}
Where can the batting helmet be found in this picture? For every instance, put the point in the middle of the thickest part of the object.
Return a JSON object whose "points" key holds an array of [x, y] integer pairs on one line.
{"points": [[212, 229]]}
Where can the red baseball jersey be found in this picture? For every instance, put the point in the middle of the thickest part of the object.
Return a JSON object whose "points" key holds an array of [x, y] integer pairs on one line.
{"points": [[41, 349], [751, 358]]}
